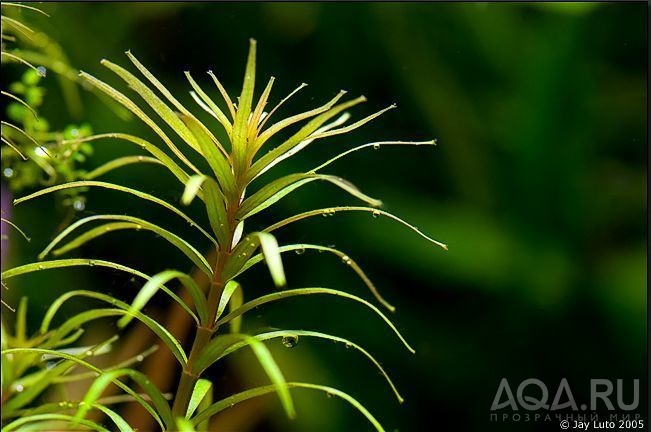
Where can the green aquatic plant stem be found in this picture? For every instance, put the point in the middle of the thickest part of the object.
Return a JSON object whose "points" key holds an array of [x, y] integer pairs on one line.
{"points": [[206, 330]]}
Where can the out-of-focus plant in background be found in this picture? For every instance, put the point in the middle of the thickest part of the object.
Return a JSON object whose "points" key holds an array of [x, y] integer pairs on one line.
{"points": [[538, 183]]}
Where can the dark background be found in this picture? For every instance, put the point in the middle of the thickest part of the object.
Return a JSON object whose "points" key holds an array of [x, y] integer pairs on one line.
{"points": [[538, 186]]}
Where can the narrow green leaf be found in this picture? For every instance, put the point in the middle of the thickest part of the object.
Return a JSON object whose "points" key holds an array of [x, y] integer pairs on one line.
{"points": [[92, 368], [277, 127], [14, 226], [305, 333], [375, 146], [101, 382], [52, 417], [287, 148], [194, 255], [177, 171], [214, 201], [263, 390], [209, 105], [79, 262], [219, 163], [120, 422], [201, 388], [300, 248], [78, 320], [257, 113], [222, 90], [310, 291], [216, 346], [131, 106], [352, 126], [279, 188], [139, 194], [332, 210], [245, 250], [164, 112], [119, 163], [279, 104], [240, 126], [229, 289], [156, 282]]}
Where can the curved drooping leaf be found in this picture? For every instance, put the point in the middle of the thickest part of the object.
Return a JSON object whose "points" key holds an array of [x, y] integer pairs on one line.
{"points": [[277, 189], [240, 125], [172, 166], [14, 226], [131, 106], [304, 333], [216, 346], [201, 389], [375, 145], [329, 211], [310, 291], [219, 163], [101, 382], [20, 101], [52, 417], [264, 390], [32, 388], [120, 422], [268, 160], [94, 369], [300, 248], [233, 296], [214, 203], [119, 163], [135, 192], [84, 317], [245, 250], [157, 281], [78, 262], [188, 250]]}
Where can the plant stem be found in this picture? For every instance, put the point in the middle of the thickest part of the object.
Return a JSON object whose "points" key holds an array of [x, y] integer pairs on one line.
{"points": [[205, 331]]}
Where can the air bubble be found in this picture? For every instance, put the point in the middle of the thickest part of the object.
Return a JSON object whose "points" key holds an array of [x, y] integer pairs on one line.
{"points": [[290, 341], [376, 146], [140, 158], [140, 358], [42, 71], [91, 263], [8, 172], [376, 213], [19, 388], [300, 251], [346, 259], [79, 204], [89, 353]]}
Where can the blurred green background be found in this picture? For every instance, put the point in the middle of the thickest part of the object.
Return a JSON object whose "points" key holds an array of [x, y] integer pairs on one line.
{"points": [[538, 186]]}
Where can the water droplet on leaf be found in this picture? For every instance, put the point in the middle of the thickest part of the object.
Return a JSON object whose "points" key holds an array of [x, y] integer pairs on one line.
{"points": [[376, 146], [19, 388], [290, 341], [300, 251], [42, 71], [376, 214], [8, 172]]}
